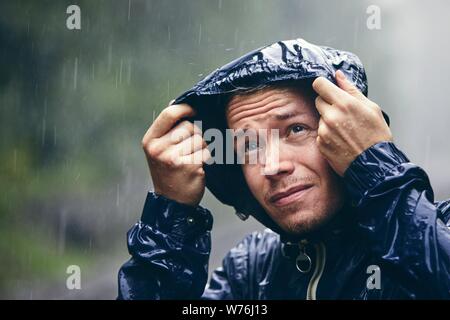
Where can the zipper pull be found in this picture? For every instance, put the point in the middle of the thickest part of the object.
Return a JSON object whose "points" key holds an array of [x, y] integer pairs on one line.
{"points": [[303, 261]]}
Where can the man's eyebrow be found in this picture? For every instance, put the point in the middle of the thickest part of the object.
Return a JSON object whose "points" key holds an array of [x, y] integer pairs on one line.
{"points": [[287, 115], [242, 131], [280, 117]]}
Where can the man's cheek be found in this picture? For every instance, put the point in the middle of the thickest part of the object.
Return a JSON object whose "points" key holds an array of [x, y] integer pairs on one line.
{"points": [[309, 155], [254, 181]]}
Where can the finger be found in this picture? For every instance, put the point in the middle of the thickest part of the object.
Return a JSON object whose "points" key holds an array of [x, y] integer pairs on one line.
{"points": [[206, 156], [322, 130], [190, 145], [180, 132], [320, 145], [168, 118], [323, 146], [329, 91], [198, 157], [146, 137], [322, 106], [347, 86]]}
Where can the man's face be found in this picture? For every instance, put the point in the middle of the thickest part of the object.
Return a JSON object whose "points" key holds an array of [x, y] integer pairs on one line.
{"points": [[299, 190]]}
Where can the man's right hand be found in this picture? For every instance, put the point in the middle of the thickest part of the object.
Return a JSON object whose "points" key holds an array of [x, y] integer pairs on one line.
{"points": [[173, 149]]}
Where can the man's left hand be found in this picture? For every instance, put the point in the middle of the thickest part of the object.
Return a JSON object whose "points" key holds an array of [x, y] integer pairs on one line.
{"points": [[349, 123]]}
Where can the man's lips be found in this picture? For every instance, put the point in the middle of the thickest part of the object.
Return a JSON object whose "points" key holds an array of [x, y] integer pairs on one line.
{"points": [[290, 195]]}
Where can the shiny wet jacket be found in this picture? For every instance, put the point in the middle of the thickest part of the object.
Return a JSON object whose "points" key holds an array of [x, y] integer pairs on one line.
{"points": [[391, 240]]}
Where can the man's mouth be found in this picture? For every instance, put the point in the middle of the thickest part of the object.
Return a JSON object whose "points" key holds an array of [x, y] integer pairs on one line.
{"points": [[290, 195]]}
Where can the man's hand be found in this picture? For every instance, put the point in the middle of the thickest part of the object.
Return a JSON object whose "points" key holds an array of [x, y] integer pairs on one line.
{"points": [[349, 123], [175, 154]]}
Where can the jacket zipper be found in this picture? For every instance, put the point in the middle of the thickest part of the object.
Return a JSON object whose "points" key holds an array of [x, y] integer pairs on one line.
{"points": [[321, 257]]}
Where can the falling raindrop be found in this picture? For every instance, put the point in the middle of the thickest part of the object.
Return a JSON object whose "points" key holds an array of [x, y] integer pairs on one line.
{"points": [[43, 131], [75, 73], [117, 195], [236, 33], [109, 57], [44, 122], [62, 231], [120, 71], [168, 89], [63, 75], [117, 78], [427, 151], [129, 72], [93, 71], [129, 9], [355, 32], [15, 161]]}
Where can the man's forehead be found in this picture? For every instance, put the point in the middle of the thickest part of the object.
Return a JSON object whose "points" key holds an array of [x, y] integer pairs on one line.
{"points": [[270, 103], [258, 96]]}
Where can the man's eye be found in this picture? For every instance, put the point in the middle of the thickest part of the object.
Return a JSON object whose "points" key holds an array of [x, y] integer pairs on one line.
{"points": [[251, 146], [297, 128]]}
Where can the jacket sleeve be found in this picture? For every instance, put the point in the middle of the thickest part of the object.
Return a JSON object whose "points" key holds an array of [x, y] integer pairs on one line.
{"points": [[406, 229], [219, 286], [169, 250]]}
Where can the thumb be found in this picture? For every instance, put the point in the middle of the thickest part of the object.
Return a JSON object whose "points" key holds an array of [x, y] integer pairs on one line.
{"points": [[347, 86]]}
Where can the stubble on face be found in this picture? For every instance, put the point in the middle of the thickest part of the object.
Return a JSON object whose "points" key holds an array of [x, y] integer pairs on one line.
{"points": [[301, 164]]}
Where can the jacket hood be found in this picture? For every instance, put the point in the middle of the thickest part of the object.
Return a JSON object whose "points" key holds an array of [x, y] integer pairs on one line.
{"points": [[282, 61]]}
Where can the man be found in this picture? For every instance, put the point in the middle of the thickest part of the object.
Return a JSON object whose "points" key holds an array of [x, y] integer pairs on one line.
{"points": [[350, 217]]}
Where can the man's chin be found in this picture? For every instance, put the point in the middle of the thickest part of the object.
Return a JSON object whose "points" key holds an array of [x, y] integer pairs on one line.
{"points": [[303, 222]]}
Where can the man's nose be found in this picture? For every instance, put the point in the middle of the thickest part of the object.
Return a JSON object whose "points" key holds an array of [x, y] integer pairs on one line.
{"points": [[276, 164]]}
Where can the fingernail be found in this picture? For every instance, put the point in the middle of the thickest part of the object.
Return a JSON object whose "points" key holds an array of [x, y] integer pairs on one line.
{"points": [[340, 75]]}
